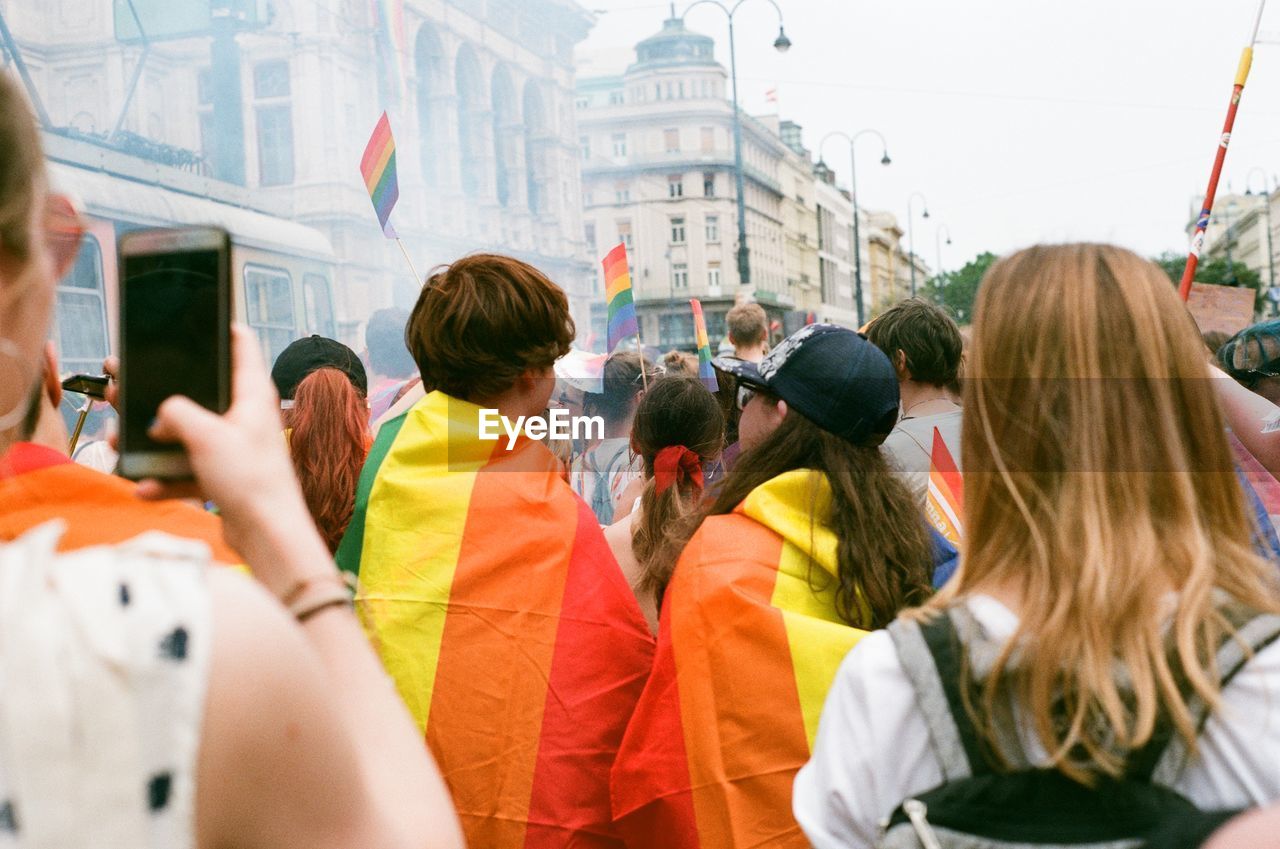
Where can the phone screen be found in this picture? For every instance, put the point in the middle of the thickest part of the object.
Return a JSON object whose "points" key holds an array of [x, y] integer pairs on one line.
{"points": [[170, 337]]}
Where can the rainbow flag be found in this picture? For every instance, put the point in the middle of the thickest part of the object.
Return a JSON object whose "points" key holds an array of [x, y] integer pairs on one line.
{"points": [[748, 645], [944, 503], [705, 372], [493, 600], [393, 48], [617, 294], [378, 167]]}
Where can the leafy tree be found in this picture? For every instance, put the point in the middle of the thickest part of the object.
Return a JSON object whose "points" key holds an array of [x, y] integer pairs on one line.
{"points": [[955, 291], [1217, 272]]}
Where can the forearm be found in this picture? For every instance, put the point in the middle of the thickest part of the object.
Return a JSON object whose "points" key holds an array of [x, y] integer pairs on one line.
{"points": [[1246, 412], [399, 773]]}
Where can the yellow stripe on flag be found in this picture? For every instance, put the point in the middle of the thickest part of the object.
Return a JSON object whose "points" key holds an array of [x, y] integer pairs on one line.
{"points": [[817, 644], [408, 636], [619, 284]]}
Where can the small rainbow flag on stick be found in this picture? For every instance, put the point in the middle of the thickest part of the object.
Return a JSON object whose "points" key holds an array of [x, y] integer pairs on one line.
{"points": [[378, 167], [705, 372], [617, 294], [945, 501]]}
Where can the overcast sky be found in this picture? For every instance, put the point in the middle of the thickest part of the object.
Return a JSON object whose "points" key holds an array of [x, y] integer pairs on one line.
{"points": [[1018, 120]]}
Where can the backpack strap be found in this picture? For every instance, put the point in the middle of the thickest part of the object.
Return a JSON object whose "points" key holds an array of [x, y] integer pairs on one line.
{"points": [[930, 654], [1236, 651]]}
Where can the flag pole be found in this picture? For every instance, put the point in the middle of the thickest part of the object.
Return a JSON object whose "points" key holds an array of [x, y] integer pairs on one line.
{"points": [[1202, 223], [417, 281]]}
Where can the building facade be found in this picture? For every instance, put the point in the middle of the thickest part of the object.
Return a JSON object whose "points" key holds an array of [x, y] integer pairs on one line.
{"points": [[1239, 229], [656, 145], [479, 92]]}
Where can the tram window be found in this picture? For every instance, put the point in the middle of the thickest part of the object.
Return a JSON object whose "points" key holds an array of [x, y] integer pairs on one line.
{"points": [[318, 304], [81, 313], [269, 307]]}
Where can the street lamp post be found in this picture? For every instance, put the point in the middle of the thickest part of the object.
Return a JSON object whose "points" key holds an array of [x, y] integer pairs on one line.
{"points": [[937, 244], [782, 44], [911, 237], [853, 197], [1266, 210]]}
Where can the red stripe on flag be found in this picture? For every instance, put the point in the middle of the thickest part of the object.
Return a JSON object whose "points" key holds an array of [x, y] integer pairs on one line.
{"points": [[946, 466], [615, 262], [377, 145], [588, 702]]}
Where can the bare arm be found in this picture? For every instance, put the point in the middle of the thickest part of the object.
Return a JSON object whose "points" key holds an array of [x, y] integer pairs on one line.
{"points": [[317, 746], [1246, 412]]}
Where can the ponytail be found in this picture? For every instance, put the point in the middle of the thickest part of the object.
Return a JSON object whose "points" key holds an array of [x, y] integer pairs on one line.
{"points": [[671, 494], [329, 421]]}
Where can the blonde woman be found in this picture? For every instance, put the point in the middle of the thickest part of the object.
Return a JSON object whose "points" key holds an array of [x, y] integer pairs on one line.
{"points": [[1107, 548]]}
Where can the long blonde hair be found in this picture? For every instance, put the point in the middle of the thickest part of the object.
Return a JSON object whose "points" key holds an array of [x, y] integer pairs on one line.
{"points": [[1098, 479]]}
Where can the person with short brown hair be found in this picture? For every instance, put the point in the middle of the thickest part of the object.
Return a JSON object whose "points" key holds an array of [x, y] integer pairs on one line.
{"points": [[485, 583], [925, 346], [485, 320], [748, 331]]}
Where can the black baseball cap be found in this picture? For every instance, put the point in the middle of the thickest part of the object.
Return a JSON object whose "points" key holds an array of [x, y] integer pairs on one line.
{"points": [[304, 356], [830, 375]]}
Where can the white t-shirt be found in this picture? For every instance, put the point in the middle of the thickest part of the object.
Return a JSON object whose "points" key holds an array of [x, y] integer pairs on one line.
{"points": [[872, 750], [104, 664], [909, 447]]}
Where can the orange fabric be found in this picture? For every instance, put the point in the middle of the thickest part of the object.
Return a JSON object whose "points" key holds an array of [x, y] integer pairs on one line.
{"points": [[98, 509], [724, 669]]}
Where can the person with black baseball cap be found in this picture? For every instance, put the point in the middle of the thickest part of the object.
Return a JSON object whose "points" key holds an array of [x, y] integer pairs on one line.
{"points": [[811, 542], [323, 389]]}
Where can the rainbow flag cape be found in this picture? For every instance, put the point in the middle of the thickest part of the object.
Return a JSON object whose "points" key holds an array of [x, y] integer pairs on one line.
{"points": [[944, 504], [747, 649], [378, 167], [617, 294], [489, 592], [705, 372]]}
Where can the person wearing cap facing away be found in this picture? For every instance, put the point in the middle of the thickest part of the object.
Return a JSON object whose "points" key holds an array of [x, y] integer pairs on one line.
{"points": [[811, 542], [322, 386]]}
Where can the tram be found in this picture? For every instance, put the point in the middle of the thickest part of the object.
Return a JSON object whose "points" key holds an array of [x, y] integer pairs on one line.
{"points": [[282, 271]]}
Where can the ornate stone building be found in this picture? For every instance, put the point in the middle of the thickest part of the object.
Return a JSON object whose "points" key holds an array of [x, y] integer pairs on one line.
{"points": [[480, 95]]}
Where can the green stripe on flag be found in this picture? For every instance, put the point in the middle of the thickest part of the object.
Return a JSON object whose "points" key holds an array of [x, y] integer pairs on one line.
{"points": [[352, 544]]}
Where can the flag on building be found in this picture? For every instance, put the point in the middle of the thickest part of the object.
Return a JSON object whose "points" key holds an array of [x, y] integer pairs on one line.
{"points": [[748, 646], [378, 167], [520, 655], [705, 371], [945, 501], [617, 293], [771, 95]]}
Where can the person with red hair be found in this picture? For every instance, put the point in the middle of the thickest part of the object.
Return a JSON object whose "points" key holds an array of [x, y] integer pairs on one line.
{"points": [[323, 387]]}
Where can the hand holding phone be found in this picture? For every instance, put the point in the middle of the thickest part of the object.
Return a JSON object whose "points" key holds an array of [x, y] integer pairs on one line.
{"points": [[241, 463], [175, 318]]}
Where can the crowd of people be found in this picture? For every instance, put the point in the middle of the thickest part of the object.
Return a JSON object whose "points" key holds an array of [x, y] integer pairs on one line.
{"points": [[729, 618]]}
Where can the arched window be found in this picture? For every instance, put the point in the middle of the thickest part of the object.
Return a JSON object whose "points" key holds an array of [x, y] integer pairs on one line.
{"points": [[429, 64], [535, 127], [471, 108], [505, 133]]}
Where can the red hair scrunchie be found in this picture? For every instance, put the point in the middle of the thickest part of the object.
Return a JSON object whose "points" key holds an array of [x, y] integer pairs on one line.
{"points": [[674, 464]]}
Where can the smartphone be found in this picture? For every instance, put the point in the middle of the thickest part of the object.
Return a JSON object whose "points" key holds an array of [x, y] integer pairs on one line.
{"points": [[93, 385], [175, 337]]}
